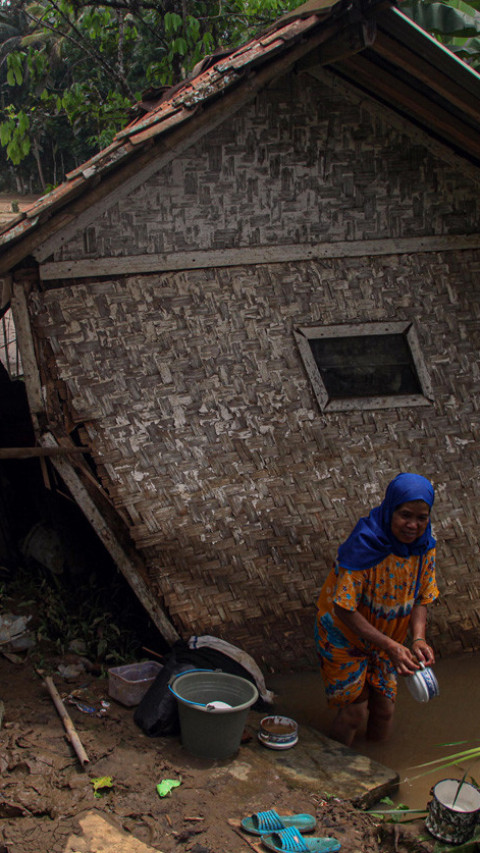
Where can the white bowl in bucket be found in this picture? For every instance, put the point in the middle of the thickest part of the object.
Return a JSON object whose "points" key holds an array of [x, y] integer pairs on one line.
{"points": [[422, 684]]}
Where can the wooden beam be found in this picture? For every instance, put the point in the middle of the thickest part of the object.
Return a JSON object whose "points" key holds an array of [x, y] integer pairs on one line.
{"points": [[348, 42], [400, 56], [137, 264], [29, 452], [122, 560], [5, 290], [26, 346]]}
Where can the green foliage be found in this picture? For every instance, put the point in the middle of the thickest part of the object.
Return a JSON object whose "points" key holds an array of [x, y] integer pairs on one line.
{"points": [[454, 23], [441, 19], [399, 814], [15, 135], [87, 609], [73, 70], [172, 23], [453, 759], [100, 784], [15, 68]]}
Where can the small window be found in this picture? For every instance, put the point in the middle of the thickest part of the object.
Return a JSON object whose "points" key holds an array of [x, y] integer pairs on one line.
{"points": [[367, 366]]}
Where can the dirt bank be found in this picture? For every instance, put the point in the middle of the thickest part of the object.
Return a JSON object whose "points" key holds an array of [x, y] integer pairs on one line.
{"points": [[45, 792]]}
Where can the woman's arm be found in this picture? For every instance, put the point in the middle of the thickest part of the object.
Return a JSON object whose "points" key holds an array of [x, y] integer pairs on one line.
{"points": [[418, 625], [402, 658]]}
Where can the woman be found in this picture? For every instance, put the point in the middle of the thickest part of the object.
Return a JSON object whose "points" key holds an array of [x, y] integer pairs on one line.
{"points": [[378, 589]]}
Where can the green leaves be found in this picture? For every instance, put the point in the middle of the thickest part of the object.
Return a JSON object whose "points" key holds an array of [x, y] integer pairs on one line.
{"points": [[399, 814], [100, 784], [14, 135], [173, 23], [15, 68], [443, 18], [454, 23]]}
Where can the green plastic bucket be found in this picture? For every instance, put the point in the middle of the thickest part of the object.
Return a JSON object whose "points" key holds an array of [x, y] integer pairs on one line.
{"points": [[207, 730]]}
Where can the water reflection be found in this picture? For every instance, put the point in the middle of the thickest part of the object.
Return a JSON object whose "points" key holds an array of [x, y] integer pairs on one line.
{"points": [[422, 732]]}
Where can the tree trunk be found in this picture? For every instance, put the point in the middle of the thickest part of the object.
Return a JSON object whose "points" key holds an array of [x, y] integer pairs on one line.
{"points": [[36, 154]]}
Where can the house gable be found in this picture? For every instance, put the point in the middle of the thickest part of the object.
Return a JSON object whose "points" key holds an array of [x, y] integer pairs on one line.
{"points": [[310, 167]]}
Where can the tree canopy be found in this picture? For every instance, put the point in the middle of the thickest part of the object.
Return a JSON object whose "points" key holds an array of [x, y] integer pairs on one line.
{"points": [[70, 70]]}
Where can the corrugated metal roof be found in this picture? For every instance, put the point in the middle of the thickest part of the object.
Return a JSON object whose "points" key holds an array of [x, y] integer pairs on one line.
{"points": [[396, 63]]}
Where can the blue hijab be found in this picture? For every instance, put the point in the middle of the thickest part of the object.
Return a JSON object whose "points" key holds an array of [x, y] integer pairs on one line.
{"points": [[372, 540]]}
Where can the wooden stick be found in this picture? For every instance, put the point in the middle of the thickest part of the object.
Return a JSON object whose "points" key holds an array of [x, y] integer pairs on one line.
{"points": [[27, 452], [236, 828], [151, 652], [67, 722]]}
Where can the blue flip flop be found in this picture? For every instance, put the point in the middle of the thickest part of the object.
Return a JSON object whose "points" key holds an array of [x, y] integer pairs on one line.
{"points": [[263, 823], [290, 840]]}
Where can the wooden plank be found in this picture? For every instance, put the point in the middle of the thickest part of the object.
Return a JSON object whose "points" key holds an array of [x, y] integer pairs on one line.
{"points": [[137, 264], [122, 560], [400, 56], [5, 290], [96, 832], [29, 452], [26, 346]]}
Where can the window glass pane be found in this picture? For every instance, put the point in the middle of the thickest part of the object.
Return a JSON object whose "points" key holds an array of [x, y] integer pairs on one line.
{"points": [[365, 366]]}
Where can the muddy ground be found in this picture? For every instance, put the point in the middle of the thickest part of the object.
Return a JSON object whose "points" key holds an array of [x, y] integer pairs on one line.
{"points": [[44, 791]]}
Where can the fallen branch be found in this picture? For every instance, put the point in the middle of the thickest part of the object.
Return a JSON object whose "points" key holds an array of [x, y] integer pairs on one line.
{"points": [[67, 722]]}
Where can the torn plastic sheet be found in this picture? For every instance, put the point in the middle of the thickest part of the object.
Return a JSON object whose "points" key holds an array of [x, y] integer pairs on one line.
{"points": [[12, 627]]}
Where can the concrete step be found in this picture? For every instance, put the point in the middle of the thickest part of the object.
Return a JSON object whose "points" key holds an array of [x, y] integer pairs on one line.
{"points": [[330, 769]]}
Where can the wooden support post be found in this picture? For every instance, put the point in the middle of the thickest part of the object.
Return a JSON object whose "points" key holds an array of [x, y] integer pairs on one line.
{"points": [[26, 346], [129, 570]]}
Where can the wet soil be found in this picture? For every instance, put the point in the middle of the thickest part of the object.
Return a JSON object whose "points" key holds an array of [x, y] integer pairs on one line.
{"points": [[44, 790]]}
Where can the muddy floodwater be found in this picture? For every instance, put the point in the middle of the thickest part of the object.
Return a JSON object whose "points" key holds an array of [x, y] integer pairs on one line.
{"points": [[423, 731]]}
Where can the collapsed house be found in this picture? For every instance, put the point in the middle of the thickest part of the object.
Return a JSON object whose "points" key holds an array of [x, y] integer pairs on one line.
{"points": [[253, 309]]}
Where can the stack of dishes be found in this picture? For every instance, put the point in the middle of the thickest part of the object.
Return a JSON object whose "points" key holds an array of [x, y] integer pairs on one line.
{"points": [[422, 684], [278, 732]]}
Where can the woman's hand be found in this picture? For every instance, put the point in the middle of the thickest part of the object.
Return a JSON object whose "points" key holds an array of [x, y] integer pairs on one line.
{"points": [[402, 658], [423, 652], [420, 648]]}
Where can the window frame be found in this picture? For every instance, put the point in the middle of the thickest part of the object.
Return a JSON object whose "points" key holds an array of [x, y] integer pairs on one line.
{"points": [[303, 334]]}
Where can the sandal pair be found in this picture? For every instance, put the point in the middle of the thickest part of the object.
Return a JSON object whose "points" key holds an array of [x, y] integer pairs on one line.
{"points": [[283, 833]]}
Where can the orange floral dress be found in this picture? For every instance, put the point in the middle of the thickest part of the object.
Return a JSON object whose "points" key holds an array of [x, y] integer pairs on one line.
{"points": [[385, 595]]}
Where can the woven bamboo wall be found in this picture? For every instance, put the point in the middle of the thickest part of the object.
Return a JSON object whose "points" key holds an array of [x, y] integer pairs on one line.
{"points": [[306, 162], [206, 431]]}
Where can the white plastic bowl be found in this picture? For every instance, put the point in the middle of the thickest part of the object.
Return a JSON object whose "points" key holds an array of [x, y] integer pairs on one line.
{"points": [[422, 684]]}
